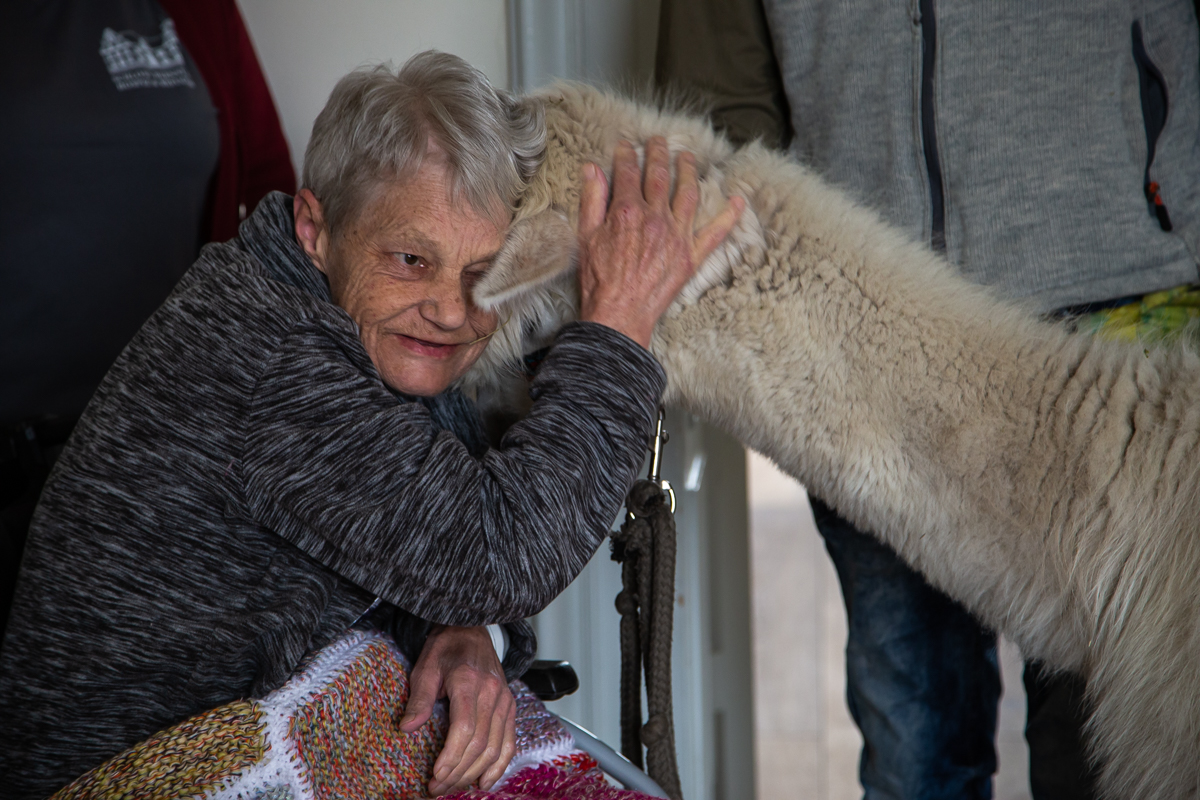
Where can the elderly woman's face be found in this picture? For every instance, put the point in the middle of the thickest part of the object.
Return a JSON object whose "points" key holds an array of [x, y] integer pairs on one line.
{"points": [[404, 269]]}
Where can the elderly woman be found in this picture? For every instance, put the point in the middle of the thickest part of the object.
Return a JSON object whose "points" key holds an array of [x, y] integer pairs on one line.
{"points": [[280, 450]]}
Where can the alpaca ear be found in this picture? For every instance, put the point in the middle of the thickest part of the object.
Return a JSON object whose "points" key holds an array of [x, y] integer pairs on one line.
{"points": [[537, 250]]}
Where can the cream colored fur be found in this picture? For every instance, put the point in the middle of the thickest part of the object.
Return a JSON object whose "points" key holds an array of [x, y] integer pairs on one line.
{"points": [[1050, 482]]}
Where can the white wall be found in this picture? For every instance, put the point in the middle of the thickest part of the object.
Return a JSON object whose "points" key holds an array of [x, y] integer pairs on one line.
{"points": [[602, 41], [306, 45]]}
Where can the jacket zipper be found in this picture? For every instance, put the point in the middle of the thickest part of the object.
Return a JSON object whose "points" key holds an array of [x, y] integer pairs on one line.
{"points": [[937, 199], [1155, 105]]}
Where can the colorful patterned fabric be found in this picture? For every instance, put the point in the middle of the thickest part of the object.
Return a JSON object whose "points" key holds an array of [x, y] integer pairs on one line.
{"points": [[1155, 317], [574, 776], [332, 732], [189, 759]]}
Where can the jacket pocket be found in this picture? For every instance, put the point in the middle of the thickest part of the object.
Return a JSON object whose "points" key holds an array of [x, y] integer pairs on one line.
{"points": [[1155, 105]]}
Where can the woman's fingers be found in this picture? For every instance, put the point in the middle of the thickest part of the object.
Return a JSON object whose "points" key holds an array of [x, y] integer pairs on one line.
{"points": [[508, 749], [483, 747], [456, 755], [627, 177], [634, 261], [594, 200], [655, 182], [424, 688], [711, 235], [687, 190], [492, 762], [468, 672], [656, 186]]}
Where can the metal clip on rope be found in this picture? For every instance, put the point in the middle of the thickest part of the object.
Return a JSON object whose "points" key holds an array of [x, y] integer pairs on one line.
{"points": [[661, 437]]}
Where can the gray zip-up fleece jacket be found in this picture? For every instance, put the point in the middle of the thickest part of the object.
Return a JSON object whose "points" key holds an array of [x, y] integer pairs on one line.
{"points": [[1051, 146], [243, 485]]}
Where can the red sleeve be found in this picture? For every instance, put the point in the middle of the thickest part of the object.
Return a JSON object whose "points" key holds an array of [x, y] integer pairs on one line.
{"points": [[266, 161], [254, 157]]}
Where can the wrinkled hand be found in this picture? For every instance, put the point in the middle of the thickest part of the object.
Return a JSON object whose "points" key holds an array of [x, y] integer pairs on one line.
{"points": [[634, 259], [461, 664]]}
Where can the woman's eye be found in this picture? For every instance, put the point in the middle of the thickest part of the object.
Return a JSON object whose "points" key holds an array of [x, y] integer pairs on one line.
{"points": [[409, 260]]}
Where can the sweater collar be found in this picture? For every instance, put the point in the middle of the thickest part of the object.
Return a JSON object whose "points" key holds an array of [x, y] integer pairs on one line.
{"points": [[269, 235]]}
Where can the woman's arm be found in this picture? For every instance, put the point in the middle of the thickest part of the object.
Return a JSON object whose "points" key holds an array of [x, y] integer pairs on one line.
{"points": [[365, 483]]}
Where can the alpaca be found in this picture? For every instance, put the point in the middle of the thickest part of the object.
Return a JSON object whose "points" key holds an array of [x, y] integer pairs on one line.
{"points": [[1048, 481]]}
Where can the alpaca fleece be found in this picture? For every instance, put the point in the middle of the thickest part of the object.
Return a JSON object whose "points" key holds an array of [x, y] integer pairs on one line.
{"points": [[1048, 481]]}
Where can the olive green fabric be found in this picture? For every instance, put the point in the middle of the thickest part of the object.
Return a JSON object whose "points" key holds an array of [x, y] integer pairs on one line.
{"points": [[723, 51]]}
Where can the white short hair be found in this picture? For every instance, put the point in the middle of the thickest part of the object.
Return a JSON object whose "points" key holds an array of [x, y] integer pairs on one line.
{"points": [[378, 124]]}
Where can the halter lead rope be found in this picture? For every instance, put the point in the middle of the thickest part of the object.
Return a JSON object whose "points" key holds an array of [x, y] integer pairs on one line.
{"points": [[645, 548]]}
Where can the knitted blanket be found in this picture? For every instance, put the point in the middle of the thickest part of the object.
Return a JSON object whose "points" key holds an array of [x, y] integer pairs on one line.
{"points": [[332, 732]]}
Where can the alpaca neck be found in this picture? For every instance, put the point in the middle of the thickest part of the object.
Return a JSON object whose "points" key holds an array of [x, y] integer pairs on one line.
{"points": [[911, 402]]}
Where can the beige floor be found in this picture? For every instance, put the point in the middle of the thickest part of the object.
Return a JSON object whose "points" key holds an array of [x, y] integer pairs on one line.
{"points": [[807, 746]]}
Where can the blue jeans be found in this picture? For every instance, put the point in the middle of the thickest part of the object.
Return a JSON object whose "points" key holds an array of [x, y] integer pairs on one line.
{"points": [[923, 682], [923, 685]]}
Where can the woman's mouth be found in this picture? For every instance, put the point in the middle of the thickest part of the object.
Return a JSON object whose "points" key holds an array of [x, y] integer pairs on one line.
{"points": [[427, 348]]}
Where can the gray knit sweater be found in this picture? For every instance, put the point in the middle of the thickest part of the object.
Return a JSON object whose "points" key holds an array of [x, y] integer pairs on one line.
{"points": [[243, 485]]}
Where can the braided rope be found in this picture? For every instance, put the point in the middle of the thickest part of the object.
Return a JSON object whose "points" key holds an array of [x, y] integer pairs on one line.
{"points": [[645, 546]]}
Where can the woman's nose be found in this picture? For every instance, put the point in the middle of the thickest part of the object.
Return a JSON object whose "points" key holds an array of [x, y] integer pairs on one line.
{"points": [[446, 304]]}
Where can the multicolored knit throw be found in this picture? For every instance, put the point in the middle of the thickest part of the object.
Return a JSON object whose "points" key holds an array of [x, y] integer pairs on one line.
{"points": [[332, 731]]}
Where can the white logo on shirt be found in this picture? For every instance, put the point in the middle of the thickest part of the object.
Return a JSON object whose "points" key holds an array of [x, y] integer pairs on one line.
{"points": [[134, 63]]}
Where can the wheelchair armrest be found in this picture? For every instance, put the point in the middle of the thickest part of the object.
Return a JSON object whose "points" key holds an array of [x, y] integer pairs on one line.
{"points": [[550, 680]]}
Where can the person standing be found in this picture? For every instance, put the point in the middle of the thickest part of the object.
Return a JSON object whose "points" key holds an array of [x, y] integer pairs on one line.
{"points": [[134, 133]]}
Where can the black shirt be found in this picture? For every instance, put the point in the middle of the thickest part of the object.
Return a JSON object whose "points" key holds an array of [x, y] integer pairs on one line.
{"points": [[108, 142]]}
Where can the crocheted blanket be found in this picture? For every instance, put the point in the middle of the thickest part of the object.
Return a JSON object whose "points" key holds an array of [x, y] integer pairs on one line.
{"points": [[332, 732]]}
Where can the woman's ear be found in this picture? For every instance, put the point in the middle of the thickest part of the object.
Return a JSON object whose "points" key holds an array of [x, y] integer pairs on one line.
{"points": [[311, 231], [536, 251]]}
